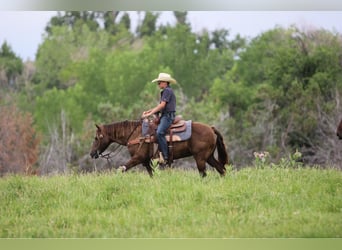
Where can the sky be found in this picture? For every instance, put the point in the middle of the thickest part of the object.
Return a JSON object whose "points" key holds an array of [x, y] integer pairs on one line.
{"points": [[24, 30]]}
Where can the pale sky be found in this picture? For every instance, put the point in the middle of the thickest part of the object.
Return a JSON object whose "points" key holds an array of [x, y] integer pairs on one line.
{"points": [[23, 30]]}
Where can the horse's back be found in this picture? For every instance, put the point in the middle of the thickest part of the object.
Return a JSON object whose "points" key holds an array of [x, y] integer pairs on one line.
{"points": [[202, 132], [202, 127]]}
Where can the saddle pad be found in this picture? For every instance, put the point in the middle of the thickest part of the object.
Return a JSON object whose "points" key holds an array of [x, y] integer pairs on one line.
{"points": [[177, 136], [181, 136]]}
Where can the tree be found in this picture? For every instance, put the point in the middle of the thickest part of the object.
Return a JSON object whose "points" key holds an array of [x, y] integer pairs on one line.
{"points": [[109, 18], [181, 17], [125, 21], [71, 19], [19, 141], [62, 50], [219, 39], [284, 81], [11, 66], [148, 25], [57, 155], [53, 55], [190, 56]]}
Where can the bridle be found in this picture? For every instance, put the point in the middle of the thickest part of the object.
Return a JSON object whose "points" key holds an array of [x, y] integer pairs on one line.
{"points": [[110, 155]]}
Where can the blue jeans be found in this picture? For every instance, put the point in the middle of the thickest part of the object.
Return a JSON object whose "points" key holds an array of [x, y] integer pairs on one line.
{"points": [[165, 122]]}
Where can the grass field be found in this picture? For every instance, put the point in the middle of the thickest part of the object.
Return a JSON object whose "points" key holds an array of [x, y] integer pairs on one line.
{"points": [[175, 203]]}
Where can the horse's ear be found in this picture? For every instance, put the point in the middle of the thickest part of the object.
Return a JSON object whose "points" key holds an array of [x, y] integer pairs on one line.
{"points": [[97, 126]]}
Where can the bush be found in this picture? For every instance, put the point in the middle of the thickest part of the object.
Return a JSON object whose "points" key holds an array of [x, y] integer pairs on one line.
{"points": [[19, 141]]}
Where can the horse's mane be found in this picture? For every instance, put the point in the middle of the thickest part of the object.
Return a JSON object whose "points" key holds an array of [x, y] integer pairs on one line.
{"points": [[119, 129]]}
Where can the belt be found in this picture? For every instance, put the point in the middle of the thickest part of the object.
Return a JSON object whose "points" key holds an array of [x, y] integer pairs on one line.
{"points": [[169, 113]]}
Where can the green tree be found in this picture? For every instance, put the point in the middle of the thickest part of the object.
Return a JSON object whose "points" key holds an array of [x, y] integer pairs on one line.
{"points": [[219, 39], [110, 22], [181, 17], [148, 25], [270, 91], [11, 66], [194, 63], [126, 21], [71, 19], [63, 48]]}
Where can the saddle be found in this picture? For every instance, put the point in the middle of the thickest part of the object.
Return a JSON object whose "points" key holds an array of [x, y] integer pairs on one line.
{"points": [[178, 125], [149, 128]]}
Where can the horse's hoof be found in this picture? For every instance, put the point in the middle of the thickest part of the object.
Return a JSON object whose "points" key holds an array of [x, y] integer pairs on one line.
{"points": [[164, 166], [122, 169]]}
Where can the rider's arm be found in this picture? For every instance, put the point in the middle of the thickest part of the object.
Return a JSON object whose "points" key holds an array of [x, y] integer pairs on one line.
{"points": [[156, 109]]}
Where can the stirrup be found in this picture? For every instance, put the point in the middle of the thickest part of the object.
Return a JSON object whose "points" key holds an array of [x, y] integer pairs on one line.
{"points": [[161, 158], [164, 165]]}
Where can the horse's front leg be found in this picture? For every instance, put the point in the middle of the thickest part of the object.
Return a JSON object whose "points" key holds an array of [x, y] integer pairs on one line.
{"points": [[139, 156], [131, 163]]}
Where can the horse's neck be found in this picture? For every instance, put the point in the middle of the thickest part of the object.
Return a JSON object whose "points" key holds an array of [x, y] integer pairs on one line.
{"points": [[121, 132]]}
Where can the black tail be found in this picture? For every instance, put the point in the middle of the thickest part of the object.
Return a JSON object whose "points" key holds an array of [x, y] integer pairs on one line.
{"points": [[221, 148]]}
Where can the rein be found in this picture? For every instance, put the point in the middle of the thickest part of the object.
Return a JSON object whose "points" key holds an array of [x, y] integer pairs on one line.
{"points": [[110, 155], [107, 156], [136, 126]]}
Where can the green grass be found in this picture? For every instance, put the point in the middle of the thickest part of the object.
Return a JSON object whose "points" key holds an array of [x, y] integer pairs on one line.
{"points": [[174, 204]]}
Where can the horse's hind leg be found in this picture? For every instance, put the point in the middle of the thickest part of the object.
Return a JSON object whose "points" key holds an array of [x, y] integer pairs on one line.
{"points": [[201, 166], [217, 165], [148, 167]]}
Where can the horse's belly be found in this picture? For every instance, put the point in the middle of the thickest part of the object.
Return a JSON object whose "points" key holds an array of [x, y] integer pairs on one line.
{"points": [[181, 150]]}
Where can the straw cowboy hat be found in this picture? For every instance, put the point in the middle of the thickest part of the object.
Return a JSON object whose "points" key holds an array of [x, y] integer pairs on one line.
{"points": [[165, 78]]}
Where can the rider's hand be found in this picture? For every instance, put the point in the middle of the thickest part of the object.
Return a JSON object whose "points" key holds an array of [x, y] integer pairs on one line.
{"points": [[145, 114]]}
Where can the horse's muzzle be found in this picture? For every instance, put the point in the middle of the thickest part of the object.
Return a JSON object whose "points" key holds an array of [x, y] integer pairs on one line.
{"points": [[94, 154]]}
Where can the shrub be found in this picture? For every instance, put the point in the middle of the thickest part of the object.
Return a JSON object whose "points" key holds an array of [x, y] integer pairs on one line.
{"points": [[19, 141]]}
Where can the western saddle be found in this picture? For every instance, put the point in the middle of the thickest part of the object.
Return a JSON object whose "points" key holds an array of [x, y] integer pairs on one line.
{"points": [[178, 125]]}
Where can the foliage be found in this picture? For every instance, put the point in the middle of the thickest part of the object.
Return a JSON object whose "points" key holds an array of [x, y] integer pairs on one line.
{"points": [[262, 160], [273, 84], [54, 65], [293, 161], [181, 17], [253, 203], [71, 19], [148, 26], [193, 63], [278, 92], [19, 142], [11, 66]]}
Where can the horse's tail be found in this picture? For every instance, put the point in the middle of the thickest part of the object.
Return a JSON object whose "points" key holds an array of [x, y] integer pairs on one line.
{"points": [[221, 148]]}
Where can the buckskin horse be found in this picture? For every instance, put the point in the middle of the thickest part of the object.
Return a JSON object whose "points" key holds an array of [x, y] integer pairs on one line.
{"points": [[339, 130], [202, 143]]}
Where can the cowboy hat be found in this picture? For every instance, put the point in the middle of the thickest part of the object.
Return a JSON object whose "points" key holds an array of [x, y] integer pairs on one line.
{"points": [[165, 78]]}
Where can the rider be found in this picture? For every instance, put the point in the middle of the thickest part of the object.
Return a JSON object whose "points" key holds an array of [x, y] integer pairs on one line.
{"points": [[167, 108]]}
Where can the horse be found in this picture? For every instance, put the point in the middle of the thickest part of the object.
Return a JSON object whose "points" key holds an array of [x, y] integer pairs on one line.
{"points": [[339, 130], [202, 144]]}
